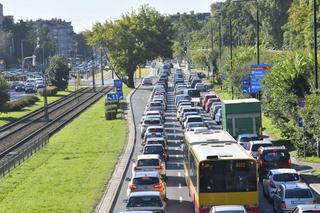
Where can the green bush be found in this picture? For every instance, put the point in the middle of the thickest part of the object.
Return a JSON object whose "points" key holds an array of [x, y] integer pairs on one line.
{"points": [[51, 91], [21, 103], [111, 107]]}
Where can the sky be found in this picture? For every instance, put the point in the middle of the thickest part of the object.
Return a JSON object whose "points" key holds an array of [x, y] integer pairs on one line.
{"points": [[84, 13]]}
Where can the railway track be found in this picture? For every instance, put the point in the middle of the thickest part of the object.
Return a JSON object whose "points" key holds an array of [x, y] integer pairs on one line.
{"points": [[60, 113]]}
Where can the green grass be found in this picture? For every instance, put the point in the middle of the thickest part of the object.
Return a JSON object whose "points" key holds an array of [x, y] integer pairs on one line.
{"points": [[311, 159], [12, 116], [316, 173], [70, 173], [222, 93]]}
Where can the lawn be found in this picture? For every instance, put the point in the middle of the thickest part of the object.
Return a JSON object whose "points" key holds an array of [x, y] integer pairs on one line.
{"points": [[12, 116], [70, 173]]}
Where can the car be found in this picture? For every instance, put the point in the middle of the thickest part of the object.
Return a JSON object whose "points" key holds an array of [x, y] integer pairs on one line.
{"points": [[146, 201], [200, 87], [151, 135], [274, 157], [206, 98], [19, 87], [288, 196], [39, 83], [180, 98], [159, 140], [192, 119], [150, 114], [149, 163], [185, 115], [210, 102], [30, 88], [214, 109], [147, 81], [253, 146], [156, 149], [276, 177], [243, 139], [147, 181], [228, 209], [196, 125], [149, 121], [307, 208], [188, 109]]}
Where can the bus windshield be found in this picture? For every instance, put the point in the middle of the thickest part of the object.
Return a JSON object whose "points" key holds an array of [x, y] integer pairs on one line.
{"points": [[228, 176]]}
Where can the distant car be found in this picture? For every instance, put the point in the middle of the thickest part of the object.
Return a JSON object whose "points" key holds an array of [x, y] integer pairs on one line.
{"points": [[149, 163], [209, 102], [30, 88], [228, 209], [288, 196], [20, 87], [149, 121], [39, 84], [276, 177], [206, 98], [218, 117], [192, 119], [307, 208], [253, 146], [156, 149], [146, 201], [243, 139], [147, 81], [147, 181], [195, 126], [200, 87], [159, 140]]}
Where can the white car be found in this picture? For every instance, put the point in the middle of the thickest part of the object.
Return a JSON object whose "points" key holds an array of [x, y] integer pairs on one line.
{"points": [[140, 201], [149, 121], [196, 126], [307, 208], [192, 119], [218, 117], [228, 209], [276, 177], [147, 81], [200, 87], [253, 146], [149, 163]]}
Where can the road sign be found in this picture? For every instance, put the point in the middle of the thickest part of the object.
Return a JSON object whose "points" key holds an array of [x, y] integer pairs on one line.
{"points": [[119, 96], [117, 83], [119, 89], [115, 96], [246, 85], [300, 122], [257, 72]]}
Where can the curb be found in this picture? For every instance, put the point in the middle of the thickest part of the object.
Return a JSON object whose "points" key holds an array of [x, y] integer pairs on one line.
{"points": [[112, 191]]}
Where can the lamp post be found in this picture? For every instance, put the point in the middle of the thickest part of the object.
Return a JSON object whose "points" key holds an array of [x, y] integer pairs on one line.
{"points": [[257, 27], [315, 44], [45, 99]]}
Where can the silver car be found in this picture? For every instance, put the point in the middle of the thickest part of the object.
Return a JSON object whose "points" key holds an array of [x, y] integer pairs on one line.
{"points": [[276, 177], [308, 208], [228, 209], [146, 201], [288, 196]]}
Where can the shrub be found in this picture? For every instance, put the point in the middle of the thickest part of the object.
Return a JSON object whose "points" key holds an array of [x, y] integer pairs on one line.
{"points": [[21, 103], [51, 91]]}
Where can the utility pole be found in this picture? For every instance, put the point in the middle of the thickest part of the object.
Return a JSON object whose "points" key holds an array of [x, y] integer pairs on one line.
{"points": [[22, 57], [258, 34], [93, 76], [315, 44], [231, 40], [211, 31], [102, 80], [45, 99]]}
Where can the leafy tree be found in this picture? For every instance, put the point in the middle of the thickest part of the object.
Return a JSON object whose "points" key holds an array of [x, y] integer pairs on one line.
{"points": [[132, 40], [81, 47], [58, 72], [4, 96]]}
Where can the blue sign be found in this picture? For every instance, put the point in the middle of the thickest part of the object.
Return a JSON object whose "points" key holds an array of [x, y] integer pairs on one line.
{"points": [[119, 95], [300, 122], [117, 83], [118, 89], [115, 96], [246, 85], [257, 72]]}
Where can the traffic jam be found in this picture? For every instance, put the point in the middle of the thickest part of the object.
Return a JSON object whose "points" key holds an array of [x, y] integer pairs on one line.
{"points": [[226, 161]]}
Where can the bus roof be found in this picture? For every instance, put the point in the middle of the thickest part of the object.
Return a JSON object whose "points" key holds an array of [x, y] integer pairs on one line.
{"points": [[208, 136]]}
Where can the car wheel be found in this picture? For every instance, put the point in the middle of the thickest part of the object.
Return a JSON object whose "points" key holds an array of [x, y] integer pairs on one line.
{"points": [[274, 209]]}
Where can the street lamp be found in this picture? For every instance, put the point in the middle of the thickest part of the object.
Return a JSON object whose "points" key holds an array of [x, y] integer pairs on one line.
{"points": [[257, 27]]}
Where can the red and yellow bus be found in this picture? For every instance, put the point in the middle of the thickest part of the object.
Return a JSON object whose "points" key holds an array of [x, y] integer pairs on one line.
{"points": [[219, 171]]}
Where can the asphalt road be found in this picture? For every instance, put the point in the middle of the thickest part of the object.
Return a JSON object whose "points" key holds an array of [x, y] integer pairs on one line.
{"points": [[177, 191]]}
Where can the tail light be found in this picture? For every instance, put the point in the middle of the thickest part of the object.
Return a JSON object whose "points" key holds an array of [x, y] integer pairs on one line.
{"points": [[136, 168], [283, 205], [289, 162], [271, 184], [132, 187], [157, 186], [261, 163], [252, 209]]}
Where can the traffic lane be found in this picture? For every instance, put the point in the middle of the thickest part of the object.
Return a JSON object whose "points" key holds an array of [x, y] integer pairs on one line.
{"points": [[265, 205], [177, 190], [139, 101], [16, 95]]}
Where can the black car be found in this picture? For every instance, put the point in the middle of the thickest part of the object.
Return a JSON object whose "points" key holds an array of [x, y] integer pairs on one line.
{"points": [[19, 87]]}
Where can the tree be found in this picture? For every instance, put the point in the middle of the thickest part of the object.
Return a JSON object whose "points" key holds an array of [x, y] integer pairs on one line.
{"points": [[132, 40], [4, 96], [59, 72]]}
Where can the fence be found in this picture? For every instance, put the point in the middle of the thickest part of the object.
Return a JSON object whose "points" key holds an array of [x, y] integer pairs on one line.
{"points": [[15, 158]]}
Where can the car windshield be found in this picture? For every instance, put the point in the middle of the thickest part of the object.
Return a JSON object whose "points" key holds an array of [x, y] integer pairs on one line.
{"points": [[192, 125], [153, 104], [286, 177], [145, 180], [156, 142], [151, 122], [153, 150], [160, 130], [298, 193], [247, 139], [194, 93], [275, 155], [197, 119], [255, 147], [148, 162], [141, 201]]}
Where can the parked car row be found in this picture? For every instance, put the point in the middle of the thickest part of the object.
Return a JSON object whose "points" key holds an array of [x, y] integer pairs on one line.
{"points": [[29, 86]]}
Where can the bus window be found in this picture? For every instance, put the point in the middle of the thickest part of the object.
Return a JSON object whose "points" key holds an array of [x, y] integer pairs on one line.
{"points": [[228, 176]]}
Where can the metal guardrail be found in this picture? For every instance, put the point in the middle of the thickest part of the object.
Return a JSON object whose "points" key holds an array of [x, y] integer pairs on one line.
{"points": [[15, 158]]}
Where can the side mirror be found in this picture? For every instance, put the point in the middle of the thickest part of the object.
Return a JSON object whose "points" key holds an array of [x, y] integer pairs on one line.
{"points": [[133, 160], [128, 179]]}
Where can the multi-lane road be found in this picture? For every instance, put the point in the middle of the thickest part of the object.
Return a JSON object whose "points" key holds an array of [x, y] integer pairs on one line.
{"points": [[177, 191]]}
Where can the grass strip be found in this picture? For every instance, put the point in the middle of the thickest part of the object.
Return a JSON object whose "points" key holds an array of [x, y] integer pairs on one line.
{"points": [[70, 173]]}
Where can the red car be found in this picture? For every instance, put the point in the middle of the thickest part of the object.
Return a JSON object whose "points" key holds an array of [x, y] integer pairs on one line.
{"points": [[206, 98], [209, 103]]}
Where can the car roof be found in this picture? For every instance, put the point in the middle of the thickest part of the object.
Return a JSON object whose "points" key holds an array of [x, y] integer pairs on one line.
{"points": [[153, 145], [148, 156], [248, 135], [152, 118], [282, 171], [260, 142], [194, 116], [228, 207], [156, 139], [152, 111], [295, 185], [274, 147], [146, 174], [153, 127], [144, 193]]}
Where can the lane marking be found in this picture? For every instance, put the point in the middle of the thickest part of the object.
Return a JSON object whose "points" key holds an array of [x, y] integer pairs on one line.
{"points": [[180, 199], [180, 186], [179, 174]]}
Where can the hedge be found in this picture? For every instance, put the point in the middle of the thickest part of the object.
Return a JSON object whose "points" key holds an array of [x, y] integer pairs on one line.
{"points": [[51, 91], [20, 104]]}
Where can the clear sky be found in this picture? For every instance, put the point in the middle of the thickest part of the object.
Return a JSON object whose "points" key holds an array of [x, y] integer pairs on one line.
{"points": [[84, 13]]}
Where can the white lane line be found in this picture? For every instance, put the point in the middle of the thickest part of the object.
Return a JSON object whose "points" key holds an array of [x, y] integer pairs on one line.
{"points": [[178, 164], [179, 185], [179, 174], [176, 148], [180, 199], [177, 156]]}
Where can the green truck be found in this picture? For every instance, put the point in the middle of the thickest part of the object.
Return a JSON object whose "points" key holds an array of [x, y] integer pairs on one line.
{"points": [[241, 116]]}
